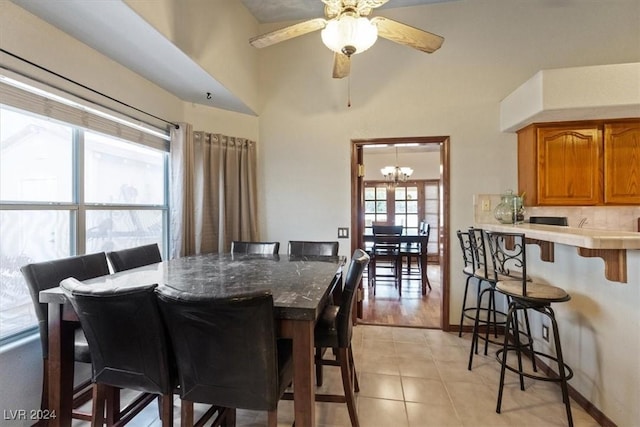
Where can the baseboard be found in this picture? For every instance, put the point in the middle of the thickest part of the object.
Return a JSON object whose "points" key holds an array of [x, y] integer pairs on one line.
{"points": [[584, 403]]}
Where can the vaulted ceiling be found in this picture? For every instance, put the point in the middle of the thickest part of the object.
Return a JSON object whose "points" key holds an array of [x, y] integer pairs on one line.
{"points": [[155, 57]]}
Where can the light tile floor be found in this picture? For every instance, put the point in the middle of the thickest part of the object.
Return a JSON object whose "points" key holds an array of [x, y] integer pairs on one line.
{"points": [[419, 377]]}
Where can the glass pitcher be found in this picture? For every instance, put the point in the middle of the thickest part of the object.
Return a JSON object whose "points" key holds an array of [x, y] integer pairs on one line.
{"points": [[510, 210]]}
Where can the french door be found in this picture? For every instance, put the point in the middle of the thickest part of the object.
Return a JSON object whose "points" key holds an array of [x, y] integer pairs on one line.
{"points": [[405, 204]]}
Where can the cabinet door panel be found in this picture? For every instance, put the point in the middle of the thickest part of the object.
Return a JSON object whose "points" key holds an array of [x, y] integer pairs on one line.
{"points": [[569, 166], [622, 163]]}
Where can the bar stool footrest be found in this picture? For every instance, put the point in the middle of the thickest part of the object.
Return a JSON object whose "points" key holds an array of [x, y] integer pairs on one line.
{"points": [[568, 371]]}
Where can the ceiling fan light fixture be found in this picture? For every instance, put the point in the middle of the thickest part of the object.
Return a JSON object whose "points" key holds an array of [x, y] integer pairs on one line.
{"points": [[349, 34]]}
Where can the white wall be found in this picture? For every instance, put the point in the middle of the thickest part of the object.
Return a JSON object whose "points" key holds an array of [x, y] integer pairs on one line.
{"points": [[215, 34]]}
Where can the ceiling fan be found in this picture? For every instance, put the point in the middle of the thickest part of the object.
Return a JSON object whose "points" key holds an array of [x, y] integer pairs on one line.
{"points": [[347, 31]]}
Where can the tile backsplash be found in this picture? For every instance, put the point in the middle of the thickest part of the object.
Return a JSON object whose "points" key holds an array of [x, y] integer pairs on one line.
{"points": [[621, 218]]}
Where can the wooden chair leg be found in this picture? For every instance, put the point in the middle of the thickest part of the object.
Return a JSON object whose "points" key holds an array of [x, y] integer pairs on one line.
{"points": [[44, 401], [186, 413], [229, 417], [113, 405], [319, 378], [272, 418], [399, 274], [356, 385], [166, 410], [345, 370], [100, 396]]}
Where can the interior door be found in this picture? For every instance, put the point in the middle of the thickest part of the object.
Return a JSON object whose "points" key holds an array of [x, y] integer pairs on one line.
{"points": [[434, 201]]}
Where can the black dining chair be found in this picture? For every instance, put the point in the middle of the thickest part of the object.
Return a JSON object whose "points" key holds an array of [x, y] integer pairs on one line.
{"points": [[128, 345], [226, 349], [47, 275], [389, 253], [412, 251], [313, 248], [263, 248], [334, 330], [139, 256]]}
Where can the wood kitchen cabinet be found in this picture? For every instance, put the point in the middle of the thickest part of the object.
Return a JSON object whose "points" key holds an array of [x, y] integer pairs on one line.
{"points": [[622, 163], [580, 163]]}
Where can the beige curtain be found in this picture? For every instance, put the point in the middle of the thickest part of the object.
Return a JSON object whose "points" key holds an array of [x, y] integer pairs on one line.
{"points": [[213, 191]]}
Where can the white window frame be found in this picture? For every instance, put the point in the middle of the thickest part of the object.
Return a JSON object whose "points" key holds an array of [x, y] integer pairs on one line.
{"points": [[20, 97]]}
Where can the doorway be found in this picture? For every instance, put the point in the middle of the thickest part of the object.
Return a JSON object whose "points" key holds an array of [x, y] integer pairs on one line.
{"points": [[365, 174]]}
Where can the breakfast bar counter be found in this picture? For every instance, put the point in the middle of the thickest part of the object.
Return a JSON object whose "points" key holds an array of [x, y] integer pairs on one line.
{"points": [[610, 245]]}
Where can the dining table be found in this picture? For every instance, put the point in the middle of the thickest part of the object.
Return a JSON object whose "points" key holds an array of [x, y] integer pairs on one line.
{"points": [[420, 240], [301, 287]]}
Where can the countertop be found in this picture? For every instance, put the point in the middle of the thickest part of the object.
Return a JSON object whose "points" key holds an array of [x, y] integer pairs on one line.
{"points": [[580, 237]]}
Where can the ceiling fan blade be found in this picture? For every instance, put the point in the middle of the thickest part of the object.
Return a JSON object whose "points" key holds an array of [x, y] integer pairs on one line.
{"points": [[287, 33], [407, 35], [341, 65]]}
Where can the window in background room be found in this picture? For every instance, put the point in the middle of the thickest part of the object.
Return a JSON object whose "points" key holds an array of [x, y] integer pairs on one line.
{"points": [[375, 204], [399, 205], [65, 190], [407, 204], [406, 208], [432, 217]]}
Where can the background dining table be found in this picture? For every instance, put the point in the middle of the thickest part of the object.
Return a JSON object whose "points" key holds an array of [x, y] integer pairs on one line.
{"points": [[421, 240], [301, 287]]}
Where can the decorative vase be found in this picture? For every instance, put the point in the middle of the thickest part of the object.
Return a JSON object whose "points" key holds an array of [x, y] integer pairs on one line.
{"points": [[510, 210]]}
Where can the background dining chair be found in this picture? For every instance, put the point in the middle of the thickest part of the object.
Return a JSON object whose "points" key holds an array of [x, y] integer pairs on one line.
{"points": [[311, 248], [388, 252], [334, 330], [128, 346], [226, 349], [265, 248], [415, 250], [47, 275], [126, 259], [412, 250]]}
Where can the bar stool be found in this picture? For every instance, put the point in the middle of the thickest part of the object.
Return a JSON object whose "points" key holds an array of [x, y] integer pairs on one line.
{"points": [[468, 270], [509, 255], [485, 276]]}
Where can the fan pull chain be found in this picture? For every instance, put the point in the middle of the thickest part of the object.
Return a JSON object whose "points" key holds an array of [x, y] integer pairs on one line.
{"points": [[349, 91]]}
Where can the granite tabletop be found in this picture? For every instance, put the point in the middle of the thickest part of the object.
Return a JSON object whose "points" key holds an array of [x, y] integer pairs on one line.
{"points": [[300, 285]]}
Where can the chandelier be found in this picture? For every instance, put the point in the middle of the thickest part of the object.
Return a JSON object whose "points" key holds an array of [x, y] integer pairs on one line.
{"points": [[349, 33], [396, 174]]}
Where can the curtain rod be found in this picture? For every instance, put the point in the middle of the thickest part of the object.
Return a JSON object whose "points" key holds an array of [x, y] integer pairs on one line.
{"points": [[82, 86]]}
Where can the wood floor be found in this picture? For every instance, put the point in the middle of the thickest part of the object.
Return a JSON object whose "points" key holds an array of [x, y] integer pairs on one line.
{"points": [[410, 309]]}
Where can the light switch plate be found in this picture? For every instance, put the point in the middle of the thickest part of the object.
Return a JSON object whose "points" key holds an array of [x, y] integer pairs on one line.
{"points": [[343, 232]]}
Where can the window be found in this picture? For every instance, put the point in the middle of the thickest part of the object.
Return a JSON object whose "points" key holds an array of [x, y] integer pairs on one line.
{"points": [[65, 190], [400, 205]]}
